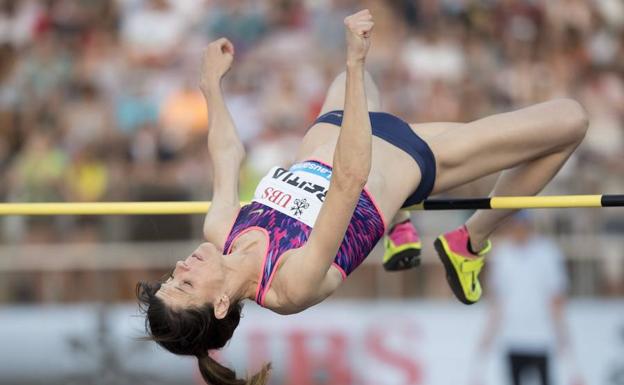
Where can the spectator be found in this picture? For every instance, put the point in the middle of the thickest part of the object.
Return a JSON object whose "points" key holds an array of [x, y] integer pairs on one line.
{"points": [[37, 172], [87, 118], [17, 22], [87, 177], [183, 116], [242, 21], [153, 33], [528, 284]]}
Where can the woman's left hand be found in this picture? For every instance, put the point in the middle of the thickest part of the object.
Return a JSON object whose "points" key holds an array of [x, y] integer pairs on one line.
{"points": [[216, 61], [358, 32]]}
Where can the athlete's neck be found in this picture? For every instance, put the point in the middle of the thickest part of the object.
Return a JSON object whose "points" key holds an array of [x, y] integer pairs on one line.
{"points": [[243, 265]]}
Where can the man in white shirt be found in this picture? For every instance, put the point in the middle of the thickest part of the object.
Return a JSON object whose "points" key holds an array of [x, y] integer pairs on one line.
{"points": [[528, 283]]}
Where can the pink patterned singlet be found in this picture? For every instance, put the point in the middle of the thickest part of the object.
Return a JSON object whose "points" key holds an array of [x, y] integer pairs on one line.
{"points": [[285, 206]]}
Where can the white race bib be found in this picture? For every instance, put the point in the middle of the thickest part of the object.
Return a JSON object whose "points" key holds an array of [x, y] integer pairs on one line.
{"points": [[298, 192]]}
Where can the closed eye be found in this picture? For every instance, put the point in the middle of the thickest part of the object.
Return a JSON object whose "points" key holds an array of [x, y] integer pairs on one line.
{"points": [[187, 283]]}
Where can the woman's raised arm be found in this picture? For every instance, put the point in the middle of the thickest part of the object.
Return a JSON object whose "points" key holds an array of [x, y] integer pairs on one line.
{"points": [[351, 166], [224, 146]]}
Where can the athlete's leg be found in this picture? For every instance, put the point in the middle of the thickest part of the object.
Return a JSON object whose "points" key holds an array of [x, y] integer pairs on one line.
{"points": [[400, 217], [530, 144], [428, 131], [541, 363], [335, 98], [516, 365]]}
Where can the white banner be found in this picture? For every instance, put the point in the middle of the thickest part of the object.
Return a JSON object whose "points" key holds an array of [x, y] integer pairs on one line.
{"points": [[358, 343]]}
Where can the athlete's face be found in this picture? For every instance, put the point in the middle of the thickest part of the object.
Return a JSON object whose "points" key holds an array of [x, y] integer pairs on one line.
{"points": [[195, 281]]}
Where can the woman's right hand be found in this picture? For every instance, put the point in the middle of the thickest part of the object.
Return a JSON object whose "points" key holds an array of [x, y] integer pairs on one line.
{"points": [[216, 61], [358, 31]]}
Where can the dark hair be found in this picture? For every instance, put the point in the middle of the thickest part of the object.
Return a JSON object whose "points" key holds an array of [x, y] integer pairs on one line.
{"points": [[193, 332]]}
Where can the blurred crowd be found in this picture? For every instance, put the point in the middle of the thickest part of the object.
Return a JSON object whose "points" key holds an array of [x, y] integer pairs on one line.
{"points": [[99, 98]]}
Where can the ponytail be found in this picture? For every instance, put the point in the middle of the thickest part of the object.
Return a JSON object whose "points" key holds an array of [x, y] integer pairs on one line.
{"points": [[216, 374], [193, 332]]}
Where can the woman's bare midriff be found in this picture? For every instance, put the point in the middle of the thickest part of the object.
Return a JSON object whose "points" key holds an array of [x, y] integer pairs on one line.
{"points": [[394, 174]]}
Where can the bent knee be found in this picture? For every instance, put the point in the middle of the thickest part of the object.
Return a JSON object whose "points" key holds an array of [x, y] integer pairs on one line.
{"points": [[572, 119], [335, 98]]}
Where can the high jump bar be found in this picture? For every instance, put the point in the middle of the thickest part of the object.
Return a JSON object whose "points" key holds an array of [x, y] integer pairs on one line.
{"points": [[200, 207]]}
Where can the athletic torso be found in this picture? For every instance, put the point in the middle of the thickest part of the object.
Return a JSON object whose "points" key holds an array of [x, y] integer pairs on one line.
{"points": [[393, 173], [393, 177], [284, 209]]}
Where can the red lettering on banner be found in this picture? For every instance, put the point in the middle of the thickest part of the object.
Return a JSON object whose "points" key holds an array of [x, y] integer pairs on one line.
{"points": [[267, 192], [375, 343], [308, 367], [278, 197], [284, 200], [258, 349]]}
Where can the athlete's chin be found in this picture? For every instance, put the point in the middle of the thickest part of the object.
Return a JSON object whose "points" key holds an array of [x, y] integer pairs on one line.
{"points": [[207, 251]]}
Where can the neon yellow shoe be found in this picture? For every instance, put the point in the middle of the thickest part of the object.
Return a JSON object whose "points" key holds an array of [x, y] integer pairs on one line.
{"points": [[402, 247], [462, 268]]}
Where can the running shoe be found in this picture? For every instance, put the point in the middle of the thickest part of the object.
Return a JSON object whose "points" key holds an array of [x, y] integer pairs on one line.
{"points": [[402, 247], [462, 267]]}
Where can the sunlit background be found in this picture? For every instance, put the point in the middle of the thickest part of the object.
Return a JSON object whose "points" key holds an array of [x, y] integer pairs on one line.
{"points": [[99, 102]]}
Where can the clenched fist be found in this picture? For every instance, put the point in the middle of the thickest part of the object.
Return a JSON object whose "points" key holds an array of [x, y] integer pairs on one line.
{"points": [[358, 31], [216, 61]]}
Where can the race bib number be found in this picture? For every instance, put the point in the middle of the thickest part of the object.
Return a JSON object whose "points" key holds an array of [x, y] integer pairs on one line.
{"points": [[298, 192]]}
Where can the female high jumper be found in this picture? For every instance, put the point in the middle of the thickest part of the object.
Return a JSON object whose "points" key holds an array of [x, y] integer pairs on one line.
{"points": [[302, 236]]}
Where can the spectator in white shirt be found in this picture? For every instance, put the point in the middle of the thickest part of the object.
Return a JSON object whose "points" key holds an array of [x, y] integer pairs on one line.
{"points": [[153, 33], [527, 283]]}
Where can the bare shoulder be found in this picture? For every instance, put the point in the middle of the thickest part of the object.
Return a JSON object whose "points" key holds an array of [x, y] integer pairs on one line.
{"points": [[219, 222], [286, 295]]}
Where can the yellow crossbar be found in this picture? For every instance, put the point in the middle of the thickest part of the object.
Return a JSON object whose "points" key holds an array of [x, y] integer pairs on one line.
{"points": [[200, 207], [546, 202], [105, 208]]}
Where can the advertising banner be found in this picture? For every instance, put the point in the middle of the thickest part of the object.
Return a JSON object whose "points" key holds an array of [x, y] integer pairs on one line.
{"points": [[350, 343]]}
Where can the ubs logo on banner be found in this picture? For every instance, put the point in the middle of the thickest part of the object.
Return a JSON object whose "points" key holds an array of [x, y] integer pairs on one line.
{"points": [[276, 196], [298, 194]]}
